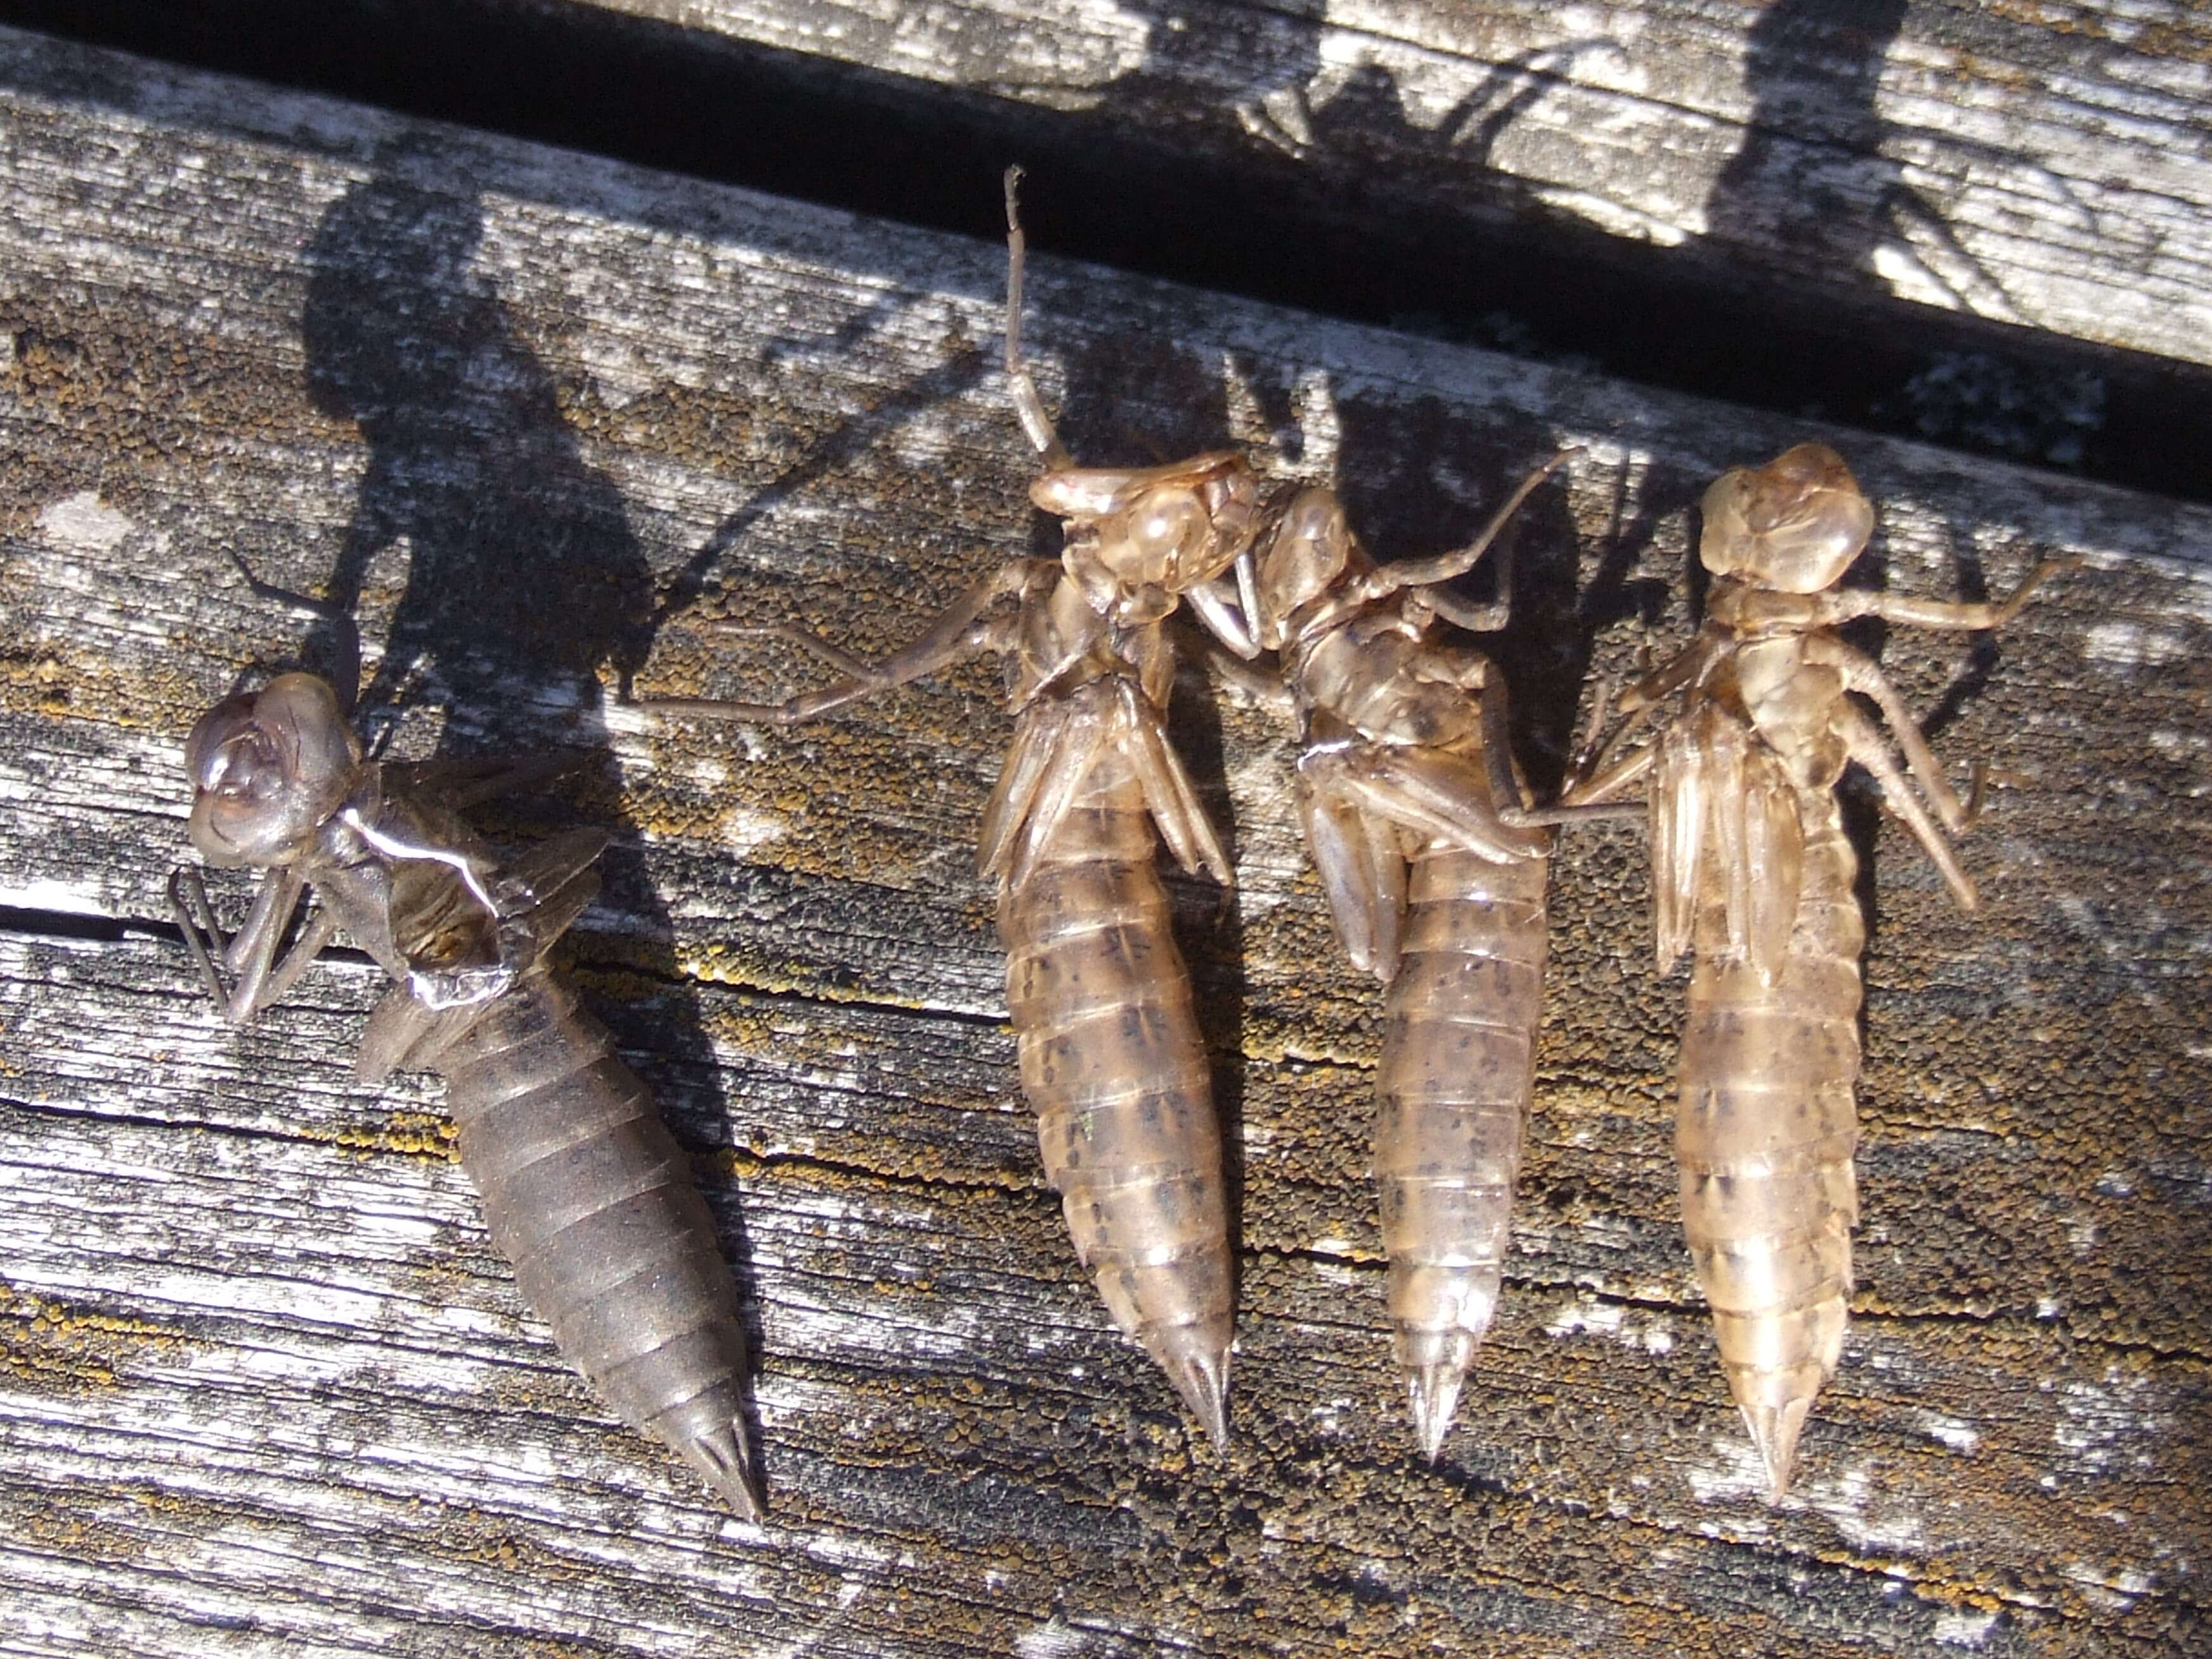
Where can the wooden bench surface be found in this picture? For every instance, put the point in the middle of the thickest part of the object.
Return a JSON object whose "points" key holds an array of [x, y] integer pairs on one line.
{"points": [[2045, 165], [265, 1387]]}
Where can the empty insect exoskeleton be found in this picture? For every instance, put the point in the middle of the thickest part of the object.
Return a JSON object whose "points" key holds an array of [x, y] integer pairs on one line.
{"points": [[1432, 860], [1753, 873], [1111, 1056], [1434, 865], [584, 1190]]}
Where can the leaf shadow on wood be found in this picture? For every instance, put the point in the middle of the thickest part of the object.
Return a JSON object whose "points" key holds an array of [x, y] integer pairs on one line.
{"points": [[524, 581]]}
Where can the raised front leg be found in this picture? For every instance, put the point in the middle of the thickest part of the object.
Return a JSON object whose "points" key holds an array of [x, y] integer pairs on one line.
{"points": [[1842, 607], [1229, 607], [1029, 406], [345, 677], [1476, 618], [1426, 573]]}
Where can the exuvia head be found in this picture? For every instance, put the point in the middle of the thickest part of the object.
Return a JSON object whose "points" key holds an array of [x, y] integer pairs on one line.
{"points": [[268, 768], [1159, 530], [1310, 550], [1793, 525]]}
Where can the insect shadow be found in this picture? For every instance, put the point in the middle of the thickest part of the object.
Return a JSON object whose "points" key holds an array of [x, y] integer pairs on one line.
{"points": [[524, 580]]}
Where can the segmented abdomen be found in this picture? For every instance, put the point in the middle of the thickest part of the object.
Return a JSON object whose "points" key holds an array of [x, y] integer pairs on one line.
{"points": [[1765, 1132], [1452, 1095], [590, 1198], [1112, 1063]]}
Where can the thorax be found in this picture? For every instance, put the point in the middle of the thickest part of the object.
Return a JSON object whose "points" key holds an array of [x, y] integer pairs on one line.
{"points": [[412, 915], [1792, 702], [1383, 675]]}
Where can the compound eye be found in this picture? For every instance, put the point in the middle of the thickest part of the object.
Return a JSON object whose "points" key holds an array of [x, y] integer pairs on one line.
{"points": [[1165, 528], [227, 753]]}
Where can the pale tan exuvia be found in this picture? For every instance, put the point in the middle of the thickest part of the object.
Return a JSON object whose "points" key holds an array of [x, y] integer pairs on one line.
{"points": [[1111, 1056], [1405, 768], [1752, 872], [1434, 865], [584, 1191], [1432, 860], [1409, 797]]}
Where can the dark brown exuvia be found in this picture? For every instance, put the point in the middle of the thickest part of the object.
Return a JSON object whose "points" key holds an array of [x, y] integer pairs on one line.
{"points": [[584, 1190]]}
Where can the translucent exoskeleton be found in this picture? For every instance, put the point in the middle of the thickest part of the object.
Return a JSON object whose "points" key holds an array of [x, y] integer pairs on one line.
{"points": [[1111, 1055], [584, 1190], [1434, 864], [1753, 873], [1433, 861]]}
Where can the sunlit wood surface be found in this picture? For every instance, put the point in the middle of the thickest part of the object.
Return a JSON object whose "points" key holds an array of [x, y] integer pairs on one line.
{"points": [[2042, 164], [265, 1387]]}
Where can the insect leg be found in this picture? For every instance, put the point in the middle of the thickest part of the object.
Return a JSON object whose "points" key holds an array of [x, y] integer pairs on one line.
{"points": [[1425, 573], [1477, 618], [1596, 772], [1439, 795], [1942, 613], [1173, 803], [1629, 770], [244, 974], [837, 656], [1861, 675], [1863, 741], [1029, 406], [1505, 784], [1231, 623], [963, 631], [1255, 685], [1361, 862], [196, 919], [346, 680]]}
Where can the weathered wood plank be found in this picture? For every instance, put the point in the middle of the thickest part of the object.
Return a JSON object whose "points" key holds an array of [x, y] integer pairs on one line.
{"points": [[2041, 165], [265, 1389]]}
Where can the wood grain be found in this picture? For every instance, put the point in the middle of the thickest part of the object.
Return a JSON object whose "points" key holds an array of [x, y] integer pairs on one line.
{"points": [[2043, 165], [264, 1387]]}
